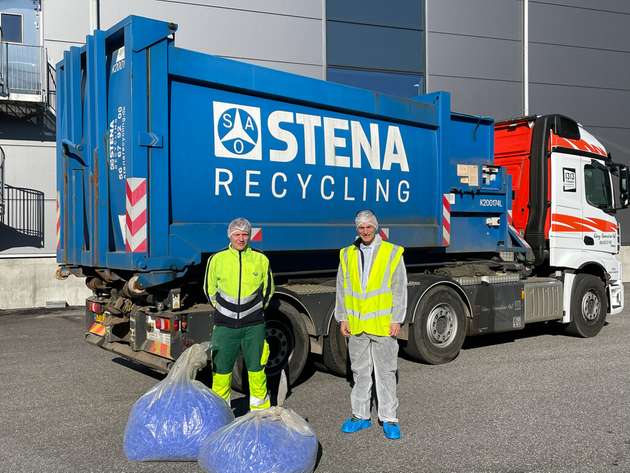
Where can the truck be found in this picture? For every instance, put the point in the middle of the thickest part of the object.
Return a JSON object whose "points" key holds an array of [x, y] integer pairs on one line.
{"points": [[158, 148]]}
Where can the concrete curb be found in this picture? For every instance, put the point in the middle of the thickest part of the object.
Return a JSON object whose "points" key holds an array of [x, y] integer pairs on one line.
{"points": [[39, 310]]}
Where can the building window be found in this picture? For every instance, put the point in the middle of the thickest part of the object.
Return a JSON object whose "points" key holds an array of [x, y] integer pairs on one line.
{"points": [[11, 25]]}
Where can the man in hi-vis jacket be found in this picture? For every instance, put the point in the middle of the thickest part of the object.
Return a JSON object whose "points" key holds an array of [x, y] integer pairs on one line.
{"points": [[239, 285], [371, 305]]}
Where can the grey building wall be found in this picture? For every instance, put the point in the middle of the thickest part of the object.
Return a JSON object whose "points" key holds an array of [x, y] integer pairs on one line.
{"points": [[376, 45], [579, 63], [474, 51], [580, 66], [281, 34]]}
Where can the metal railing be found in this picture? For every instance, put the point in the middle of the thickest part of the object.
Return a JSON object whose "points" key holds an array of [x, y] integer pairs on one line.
{"points": [[23, 71], [51, 87], [24, 211], [1, 185]]}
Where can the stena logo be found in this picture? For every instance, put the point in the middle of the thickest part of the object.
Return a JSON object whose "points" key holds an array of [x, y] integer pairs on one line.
{"points": [[316, 141], [237, 135], [236, 131]]}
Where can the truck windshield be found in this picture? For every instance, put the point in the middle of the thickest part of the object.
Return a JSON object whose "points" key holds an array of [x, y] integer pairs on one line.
{"points": [[597, 186]]}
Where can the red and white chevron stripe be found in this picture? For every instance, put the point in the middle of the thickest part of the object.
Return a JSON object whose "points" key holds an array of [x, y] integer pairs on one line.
{"points": [[137, 217], [257, 234], [58, 223], [586, 143], [384, 233], [446, 220]]}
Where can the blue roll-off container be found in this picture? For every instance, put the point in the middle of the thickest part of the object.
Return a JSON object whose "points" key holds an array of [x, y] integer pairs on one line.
{"points": [[158, 148]]}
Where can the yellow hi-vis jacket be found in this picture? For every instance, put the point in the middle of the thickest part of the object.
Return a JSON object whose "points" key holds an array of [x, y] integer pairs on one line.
{"points": [[370, 309], [239, 285]]}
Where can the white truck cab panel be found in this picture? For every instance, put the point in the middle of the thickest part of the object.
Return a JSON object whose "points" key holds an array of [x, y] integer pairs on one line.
{"points": [[582, 229]]}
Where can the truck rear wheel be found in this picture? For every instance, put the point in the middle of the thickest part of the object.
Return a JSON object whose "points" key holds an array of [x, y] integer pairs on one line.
{"points": [[588, 306], [439, 327], [335, 350], [288, 345]]}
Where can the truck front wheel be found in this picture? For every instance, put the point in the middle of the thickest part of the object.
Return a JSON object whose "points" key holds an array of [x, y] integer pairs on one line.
{"points": [[288, 345], [588, 306], [439, 327]]}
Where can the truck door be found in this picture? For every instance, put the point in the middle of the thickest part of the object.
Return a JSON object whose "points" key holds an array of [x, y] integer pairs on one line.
{"points": [[567, 197], [600, 229]]}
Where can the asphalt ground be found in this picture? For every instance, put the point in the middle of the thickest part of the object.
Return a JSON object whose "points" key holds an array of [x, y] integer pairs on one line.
{"points": [[530, 401]]}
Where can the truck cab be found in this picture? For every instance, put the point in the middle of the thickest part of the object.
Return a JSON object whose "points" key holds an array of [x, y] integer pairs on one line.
{"points": [[564, 205]]}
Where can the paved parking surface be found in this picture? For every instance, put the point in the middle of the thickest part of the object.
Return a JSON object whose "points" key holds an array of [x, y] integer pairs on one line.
{"points": [[533, 401]]}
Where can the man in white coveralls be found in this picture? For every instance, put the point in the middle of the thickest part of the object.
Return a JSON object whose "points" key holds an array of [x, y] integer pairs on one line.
{"points": [[371, 304]]}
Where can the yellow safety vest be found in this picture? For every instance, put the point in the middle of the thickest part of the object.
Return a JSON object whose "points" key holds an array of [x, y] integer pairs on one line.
{"points": [[370, 310], [239, 284]]}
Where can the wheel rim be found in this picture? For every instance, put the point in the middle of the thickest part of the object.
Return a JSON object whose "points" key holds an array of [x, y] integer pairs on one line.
{"points": [[591, 306], [280, 346], [442, 325]]}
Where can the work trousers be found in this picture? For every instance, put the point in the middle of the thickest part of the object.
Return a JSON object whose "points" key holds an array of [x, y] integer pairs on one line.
{"points": [[227, 343], [371, 353]]}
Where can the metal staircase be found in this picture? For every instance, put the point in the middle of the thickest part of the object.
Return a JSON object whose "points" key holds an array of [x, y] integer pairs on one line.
{"points": [[21, 214]]}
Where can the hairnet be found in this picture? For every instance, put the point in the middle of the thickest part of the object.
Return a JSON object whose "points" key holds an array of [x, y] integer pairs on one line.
{"points": [[366, 217], [239, 225]]}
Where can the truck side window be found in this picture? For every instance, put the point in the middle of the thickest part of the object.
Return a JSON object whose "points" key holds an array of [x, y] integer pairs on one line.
{"points": [[597, 187]]}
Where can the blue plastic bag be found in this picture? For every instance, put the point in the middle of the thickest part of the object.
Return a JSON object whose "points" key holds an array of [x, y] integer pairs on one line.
{"points": [[274, 440], [171, 420]]}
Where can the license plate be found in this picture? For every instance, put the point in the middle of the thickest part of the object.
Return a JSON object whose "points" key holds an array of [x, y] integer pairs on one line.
{"points": [[99, 318]]}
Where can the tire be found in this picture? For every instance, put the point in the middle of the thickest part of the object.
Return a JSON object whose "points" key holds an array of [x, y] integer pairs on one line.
{"points": [[289, 346], [335, 351], [588, 306], [439, 327]]}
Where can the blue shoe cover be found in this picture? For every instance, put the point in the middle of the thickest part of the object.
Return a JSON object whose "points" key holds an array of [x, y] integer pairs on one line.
{"points": [[354, 424], [391, 430]]}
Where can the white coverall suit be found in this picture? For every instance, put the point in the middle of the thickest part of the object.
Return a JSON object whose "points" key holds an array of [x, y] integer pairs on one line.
{"points": [[374, 353]]}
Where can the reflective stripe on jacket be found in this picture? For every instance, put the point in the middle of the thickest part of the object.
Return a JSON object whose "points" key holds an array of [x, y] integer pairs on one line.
{"points": [[369, 310], [239, 285]]}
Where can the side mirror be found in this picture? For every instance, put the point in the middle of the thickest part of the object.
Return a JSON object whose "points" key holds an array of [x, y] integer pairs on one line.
{"points": [[624, 192]]}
